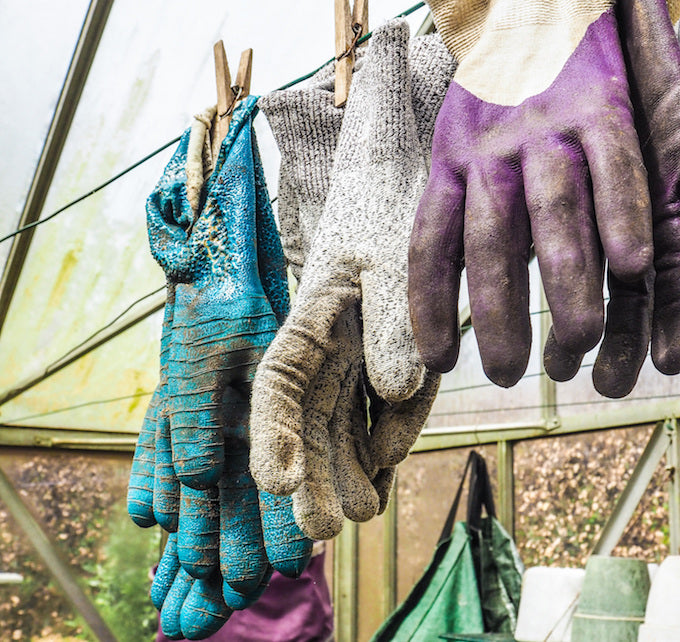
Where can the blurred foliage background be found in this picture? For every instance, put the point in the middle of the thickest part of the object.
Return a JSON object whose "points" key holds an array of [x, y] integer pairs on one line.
{"points": [[79, 499]]}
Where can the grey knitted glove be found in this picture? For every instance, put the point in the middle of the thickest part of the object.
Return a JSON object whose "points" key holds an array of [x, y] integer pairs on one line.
{"points": [[306, 125], [342, 459], [357, 254]]}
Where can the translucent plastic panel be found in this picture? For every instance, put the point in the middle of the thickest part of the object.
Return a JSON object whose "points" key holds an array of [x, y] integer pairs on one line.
{"points": [[35, 60], [566, 488], [653, 391], [427, 484], [108, 389], [79, 501], [153, 70], [468, 398]]}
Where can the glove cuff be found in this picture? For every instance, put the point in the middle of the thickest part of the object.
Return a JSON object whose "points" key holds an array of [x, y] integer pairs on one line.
{"points": [[305, 124], [461, 22]]}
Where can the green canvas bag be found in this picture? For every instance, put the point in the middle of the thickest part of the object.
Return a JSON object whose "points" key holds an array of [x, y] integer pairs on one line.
{"points": [[472, 584], [445, 598], [498, 567]]}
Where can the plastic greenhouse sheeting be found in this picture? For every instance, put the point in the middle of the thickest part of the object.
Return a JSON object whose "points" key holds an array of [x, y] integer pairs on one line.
{"points": [[152, 71]]}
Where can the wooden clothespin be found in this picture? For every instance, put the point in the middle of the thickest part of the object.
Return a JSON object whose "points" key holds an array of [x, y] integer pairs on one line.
{"points": [[349, 27], [228, 95]]}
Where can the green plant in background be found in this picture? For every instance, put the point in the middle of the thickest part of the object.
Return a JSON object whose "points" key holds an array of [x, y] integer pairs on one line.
{"points": [[121, 578], [566, 489], [79, 500]]}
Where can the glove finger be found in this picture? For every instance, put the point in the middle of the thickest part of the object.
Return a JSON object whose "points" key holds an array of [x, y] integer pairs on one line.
{"points": [[396, 429], [652, 56], [316, 504], [384, 483], [317, 520], [242, 554], [564, 232], [140, 485], [204, 611], [167, 569], [666, 317], [349, 447], [284, 376], [172, 607], [497, 240], [239, 601], [560, 364], [621, 196], [392, 360], [435, 262], [288, 550], [198, 530], [626, 338], [165, 484]]}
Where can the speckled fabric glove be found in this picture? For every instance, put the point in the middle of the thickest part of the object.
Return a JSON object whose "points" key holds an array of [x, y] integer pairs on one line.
{"points": [[319, 504], [542, 151], [342, 478], [380, 169]]}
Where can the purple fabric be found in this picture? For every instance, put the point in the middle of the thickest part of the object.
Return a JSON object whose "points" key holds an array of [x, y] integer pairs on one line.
{"points": [[289, 611], [562, 170]]}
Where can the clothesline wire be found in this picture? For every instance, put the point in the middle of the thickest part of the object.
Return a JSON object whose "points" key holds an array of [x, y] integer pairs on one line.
{"points": [[105, 327], [92, 192], [85, 404], [569, 404], [149, 156]]}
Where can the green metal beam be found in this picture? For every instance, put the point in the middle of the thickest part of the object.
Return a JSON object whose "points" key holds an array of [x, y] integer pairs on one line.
{"points": [[67, 438], [427, 26], [57, 566], [390, 553], [79, 68], [548, 386], [634, 414], [152, 305], [345, 574], [506, 486], [635, 488], [673, 465]]}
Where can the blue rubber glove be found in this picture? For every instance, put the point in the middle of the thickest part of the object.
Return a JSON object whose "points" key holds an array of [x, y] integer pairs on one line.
{"points": [[222, 319], [213, 524]]}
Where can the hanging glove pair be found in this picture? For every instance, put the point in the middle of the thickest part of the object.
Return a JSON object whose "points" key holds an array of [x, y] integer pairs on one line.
{"points": [[214, 243], [345, 233], [546, 151]]}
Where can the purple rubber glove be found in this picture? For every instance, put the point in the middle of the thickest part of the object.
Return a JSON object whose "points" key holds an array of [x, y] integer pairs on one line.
{"points": [[652, 58], [561, 168]]}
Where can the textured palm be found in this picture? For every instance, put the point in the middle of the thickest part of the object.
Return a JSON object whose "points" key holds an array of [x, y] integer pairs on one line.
{"points": [[223, 322]]}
